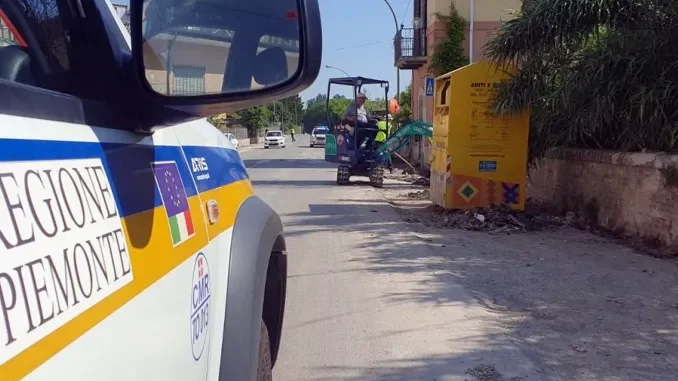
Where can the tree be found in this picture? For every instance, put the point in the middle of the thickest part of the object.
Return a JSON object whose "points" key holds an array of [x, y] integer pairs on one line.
{"points": [[405, 113], [255, 119], [599, 74], [289, 111], [377, 104], [316, 111], [320, 98], [448, 54], [219, 120]]}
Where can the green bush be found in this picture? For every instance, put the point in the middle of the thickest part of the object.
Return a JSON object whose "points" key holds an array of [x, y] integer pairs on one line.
{"points": [[448, 54]]}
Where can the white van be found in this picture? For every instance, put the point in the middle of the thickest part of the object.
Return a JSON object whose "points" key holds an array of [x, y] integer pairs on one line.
{"points": [[132, 245]]}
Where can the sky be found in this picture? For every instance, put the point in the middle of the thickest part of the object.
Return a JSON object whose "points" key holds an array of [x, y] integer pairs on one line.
{"points": [[358, 38]]}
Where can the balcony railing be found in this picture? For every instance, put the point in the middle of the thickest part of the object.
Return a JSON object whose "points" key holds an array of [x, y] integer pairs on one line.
{"points": [[410, 48]]}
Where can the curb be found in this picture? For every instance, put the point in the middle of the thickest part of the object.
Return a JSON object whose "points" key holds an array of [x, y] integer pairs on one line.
{"points": [[249, 147]]}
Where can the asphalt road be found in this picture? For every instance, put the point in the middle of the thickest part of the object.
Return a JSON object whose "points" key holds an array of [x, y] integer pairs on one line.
{"points": [[359, 305]]}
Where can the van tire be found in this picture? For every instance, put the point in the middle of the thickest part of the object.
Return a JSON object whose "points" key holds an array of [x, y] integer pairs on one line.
{"points": [[265, 366]]}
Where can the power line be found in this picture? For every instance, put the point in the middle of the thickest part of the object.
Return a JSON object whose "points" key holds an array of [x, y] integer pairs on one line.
{"points": [[363, 45], [407, 9]]}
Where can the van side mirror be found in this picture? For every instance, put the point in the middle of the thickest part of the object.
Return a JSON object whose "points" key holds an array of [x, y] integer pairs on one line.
{"points": [[205, 57]]}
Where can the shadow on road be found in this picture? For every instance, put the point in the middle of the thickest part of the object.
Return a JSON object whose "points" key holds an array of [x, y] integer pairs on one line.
{"points": [[355, 182], [579, 307], [292, 183], [434, 368], [288, 163]]}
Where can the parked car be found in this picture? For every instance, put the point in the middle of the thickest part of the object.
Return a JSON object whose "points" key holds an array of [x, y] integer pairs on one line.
{"points": [[318, 136], [274, 138], [231, 138]]}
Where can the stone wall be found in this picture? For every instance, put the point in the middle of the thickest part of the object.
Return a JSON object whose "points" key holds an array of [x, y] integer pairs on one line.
{"points": [[630, 193], [236, 129]]}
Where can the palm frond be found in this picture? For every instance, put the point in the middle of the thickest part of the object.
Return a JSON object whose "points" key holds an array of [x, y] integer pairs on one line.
{"points": [[599, 74], [544, 25]]}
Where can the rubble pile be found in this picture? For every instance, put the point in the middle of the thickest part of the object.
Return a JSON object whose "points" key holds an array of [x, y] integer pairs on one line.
{"points": [[496, 219], [408, 175], [420, 195], [500, 219]]}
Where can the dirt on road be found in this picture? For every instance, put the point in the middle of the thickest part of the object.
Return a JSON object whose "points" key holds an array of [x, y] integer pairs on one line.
{"points": [[581, 306]]}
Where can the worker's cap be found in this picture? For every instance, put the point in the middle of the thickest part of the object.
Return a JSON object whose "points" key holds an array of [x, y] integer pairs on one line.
{"points": [[362, 95]]}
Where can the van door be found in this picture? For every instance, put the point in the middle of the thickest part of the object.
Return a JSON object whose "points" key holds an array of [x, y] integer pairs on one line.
{"points": [[101, 229], [110, 233], [222, 184]]}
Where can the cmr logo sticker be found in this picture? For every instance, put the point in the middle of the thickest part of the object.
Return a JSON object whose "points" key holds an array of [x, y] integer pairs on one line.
{"points": [[200, 306], [62, 247]]}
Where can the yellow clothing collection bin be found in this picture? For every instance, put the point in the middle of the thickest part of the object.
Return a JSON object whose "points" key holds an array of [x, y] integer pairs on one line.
{"points": [[477, 158]]}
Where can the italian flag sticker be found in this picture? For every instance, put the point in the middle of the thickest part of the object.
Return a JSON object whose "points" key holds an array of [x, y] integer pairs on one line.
{"points": [[175, 200], [181, 226]]}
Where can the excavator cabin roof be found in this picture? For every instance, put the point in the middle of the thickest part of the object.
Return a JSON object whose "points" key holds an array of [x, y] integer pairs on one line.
{"points": [[357, 81]]}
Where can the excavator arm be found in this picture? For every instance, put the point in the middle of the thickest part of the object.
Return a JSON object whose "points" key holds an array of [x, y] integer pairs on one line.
{"points": [[403, 136]]}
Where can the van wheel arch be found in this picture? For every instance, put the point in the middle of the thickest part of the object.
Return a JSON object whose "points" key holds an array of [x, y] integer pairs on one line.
{"points": [[275, 293], [256, 289]]}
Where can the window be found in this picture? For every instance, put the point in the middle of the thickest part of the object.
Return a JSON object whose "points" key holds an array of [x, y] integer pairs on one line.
{"points": [[274, 133], [8, 33], [200, 33], [46, 44], [41, 28], [189, 80]]}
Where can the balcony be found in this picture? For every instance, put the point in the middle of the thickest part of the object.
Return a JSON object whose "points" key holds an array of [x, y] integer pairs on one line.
{"points": [[410, 48]]}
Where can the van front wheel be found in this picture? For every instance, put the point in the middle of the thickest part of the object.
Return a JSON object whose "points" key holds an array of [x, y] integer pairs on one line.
{"points": [[265, 367]]}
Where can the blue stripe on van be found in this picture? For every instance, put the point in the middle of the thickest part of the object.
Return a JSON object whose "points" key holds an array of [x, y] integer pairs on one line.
{"points": [[128, 166], [224, 166]]}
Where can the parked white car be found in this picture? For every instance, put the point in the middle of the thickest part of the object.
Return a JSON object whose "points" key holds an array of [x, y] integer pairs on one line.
{"points": [[318, 136], [231, 138], [274, 138]]}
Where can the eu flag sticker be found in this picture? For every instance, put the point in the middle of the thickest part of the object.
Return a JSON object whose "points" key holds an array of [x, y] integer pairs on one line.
{"points": [[174, 200]]}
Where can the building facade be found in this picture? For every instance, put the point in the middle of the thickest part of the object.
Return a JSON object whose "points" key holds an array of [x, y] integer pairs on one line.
{"points": [[194, 62], [415, 46]]}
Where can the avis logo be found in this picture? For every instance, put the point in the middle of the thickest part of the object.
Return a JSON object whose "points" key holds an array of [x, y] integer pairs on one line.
{"points": [[200, 306], [199, 164]]}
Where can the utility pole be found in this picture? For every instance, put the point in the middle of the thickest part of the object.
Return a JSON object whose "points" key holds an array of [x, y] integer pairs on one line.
{"points": [[397, 30], [282, 116]]}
